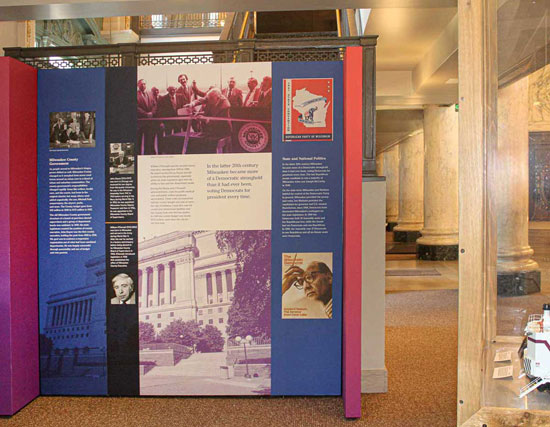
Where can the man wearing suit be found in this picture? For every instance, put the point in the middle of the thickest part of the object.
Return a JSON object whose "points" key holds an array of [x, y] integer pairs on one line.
{"points": [[87, 128], [234, 95], [123, 285], [146, 109], [215, 105], [264, 100], [184, 94], [253, 94], [122, 161], [57, 130], [168, 107]]}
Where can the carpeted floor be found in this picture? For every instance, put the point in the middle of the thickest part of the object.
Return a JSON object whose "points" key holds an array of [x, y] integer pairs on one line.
{"points": [[421, 348]]}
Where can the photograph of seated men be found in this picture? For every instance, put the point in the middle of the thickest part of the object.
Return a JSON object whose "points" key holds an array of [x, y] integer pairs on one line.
{"points": [[123, 288], [75, 129], [121, 158], [307, 286]]}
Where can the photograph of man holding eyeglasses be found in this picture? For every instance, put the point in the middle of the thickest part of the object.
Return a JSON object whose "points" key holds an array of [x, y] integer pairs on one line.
{"points": [[307, 293]]}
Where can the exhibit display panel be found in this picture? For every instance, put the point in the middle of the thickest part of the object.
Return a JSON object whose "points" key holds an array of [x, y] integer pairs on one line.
{"points": [[504, 339], [191, 229], [18, 243]]}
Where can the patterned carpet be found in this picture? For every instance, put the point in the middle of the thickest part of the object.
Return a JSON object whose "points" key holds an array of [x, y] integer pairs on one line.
{"points": [[421, 346]]}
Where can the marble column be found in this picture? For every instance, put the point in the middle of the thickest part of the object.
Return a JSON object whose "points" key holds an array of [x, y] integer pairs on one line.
{"points": [[391, 172], [439, 241], [380, 164], [517, 272], [17, 34], [117, 30], [411, 189]]}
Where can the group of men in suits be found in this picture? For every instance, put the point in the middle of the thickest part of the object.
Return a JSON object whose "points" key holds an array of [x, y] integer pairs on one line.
{"points": [[214, 102], [77, 127]]}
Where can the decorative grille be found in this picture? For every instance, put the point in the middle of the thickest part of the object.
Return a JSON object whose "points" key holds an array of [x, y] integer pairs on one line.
{"points": [[175, 59], [75, 62], [299, 55]]}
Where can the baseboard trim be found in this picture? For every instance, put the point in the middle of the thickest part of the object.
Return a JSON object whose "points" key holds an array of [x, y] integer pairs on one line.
{"points": [[374, 381]]}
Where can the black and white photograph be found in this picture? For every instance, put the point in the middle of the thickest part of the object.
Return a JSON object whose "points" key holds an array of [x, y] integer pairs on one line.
{"points": [[204, 109], [123, 290], [204, 313], [121, 158], [72, 129]]}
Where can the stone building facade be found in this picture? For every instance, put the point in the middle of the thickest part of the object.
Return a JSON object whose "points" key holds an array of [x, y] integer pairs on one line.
{"points": [[183, 275]]}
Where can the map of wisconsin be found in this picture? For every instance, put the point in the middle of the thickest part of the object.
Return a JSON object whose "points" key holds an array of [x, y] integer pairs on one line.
{"points": [[312, 108]]}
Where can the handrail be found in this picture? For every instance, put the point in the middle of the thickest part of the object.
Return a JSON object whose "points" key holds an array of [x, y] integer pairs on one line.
{"points": [[192, 46]]}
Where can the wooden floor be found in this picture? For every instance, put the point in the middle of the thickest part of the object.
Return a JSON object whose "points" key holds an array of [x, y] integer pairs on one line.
{"points": [[539, 240]]}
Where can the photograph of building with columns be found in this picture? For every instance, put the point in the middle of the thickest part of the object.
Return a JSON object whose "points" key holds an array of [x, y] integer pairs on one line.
{"points": [[204, 298], [73, 343]]}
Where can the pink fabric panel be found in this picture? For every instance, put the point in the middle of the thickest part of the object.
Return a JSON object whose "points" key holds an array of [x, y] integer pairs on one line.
{"points": [[18, 237], [351, 376]]}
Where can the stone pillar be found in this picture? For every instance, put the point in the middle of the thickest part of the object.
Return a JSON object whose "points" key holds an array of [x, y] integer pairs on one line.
{"points": [[155, 273], [49, 317], [391, 172], [90, 308], [17, 34], [168, 278], [162, 278], [185, 273], [411, 189], [224, 286], [380, 164], [140, 285], [439, 241], [64, 315], [185, 278], [118, 30], [517, 272]]}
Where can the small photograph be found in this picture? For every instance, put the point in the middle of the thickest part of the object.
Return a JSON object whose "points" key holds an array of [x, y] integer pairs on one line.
{"points": [[307, 285], [121, 158], [123, 289], [73, 129], [308, 110]]}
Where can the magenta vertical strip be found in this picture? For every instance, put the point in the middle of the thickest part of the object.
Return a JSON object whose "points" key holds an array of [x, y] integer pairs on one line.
{"points": [[351, 375], [18, 237], [5, 306]]}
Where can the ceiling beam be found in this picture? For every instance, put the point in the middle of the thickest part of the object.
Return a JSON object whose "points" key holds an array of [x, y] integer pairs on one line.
{"points": [[12, 10], [444, 49]]}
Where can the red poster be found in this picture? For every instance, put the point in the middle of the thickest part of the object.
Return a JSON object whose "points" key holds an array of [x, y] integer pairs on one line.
{"points": [[307, 110]]}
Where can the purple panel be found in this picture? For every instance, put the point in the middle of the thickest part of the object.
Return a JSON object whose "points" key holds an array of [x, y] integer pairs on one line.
{"points": [[5, 307], [18, 249]]}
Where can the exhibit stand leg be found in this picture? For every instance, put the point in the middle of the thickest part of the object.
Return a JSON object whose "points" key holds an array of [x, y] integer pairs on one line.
{"points": [[374, 376]]}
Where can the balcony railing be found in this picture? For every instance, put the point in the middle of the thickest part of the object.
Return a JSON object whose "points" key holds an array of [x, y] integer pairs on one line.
{"points": [[250, 50], [183, 20]]}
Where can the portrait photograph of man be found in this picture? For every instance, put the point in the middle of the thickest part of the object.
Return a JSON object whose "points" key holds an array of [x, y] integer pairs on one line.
{"points": [[121, 158], [307, 286], [123, 289]]}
